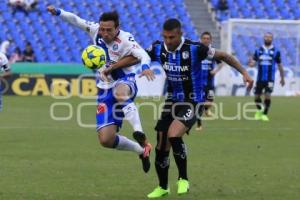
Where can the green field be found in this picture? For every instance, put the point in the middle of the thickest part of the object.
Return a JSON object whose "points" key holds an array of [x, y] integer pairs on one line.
{"points": [[45, 159]]}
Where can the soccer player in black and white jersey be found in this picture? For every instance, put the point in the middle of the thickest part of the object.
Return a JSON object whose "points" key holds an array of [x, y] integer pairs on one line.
{"points": [[209, 70], [266, 57], [181, 60], [6, 73]]}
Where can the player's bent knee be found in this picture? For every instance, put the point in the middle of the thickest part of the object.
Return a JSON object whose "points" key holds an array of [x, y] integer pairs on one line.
{"points": [[105, 141], [122, 92]]}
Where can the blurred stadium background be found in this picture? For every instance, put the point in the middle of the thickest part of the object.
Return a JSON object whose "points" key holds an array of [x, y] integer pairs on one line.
{"points": [[232, 160]]}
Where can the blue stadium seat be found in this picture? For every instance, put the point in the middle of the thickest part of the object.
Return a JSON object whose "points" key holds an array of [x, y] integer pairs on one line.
{"points": [[279, 3], [246, 13], [259, 13], [241, 3], [285, 14], [272, 14]]}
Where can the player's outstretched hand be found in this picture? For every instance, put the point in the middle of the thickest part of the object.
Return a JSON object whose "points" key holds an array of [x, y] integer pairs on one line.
{"points": [[52, 10], [248, 80], [148, 73]]}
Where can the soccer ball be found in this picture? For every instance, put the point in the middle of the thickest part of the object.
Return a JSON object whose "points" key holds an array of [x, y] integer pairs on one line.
{"points": [[93, 57]]}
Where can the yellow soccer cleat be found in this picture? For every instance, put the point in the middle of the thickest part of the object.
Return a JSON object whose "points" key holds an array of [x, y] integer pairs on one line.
{"points": [[265, 118], [183, 186], [258, 115], [158, 192]]}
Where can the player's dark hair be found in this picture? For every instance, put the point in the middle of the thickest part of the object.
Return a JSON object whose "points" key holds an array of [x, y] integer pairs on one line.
{"points": [[110, 16], [268, 33], [206, 33], [172, 24]]}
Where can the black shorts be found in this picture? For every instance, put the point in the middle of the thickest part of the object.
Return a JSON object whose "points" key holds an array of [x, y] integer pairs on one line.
{"points": [[185, 112], [210, 93], [263, 87]]}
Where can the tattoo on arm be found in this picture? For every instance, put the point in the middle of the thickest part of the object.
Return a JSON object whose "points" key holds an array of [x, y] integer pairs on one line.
{"points": [[230, 60]]}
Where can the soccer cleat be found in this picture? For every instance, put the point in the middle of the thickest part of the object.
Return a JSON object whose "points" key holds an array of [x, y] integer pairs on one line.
{"points": [[145, 157], [208, 113], [158, 192], [258, 115], [265, 118], [140, 137], [199, 128], [183, 186]]}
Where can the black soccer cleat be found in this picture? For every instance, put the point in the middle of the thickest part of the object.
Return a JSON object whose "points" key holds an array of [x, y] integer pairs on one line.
{"points": [[140, 137], [145, 157]]}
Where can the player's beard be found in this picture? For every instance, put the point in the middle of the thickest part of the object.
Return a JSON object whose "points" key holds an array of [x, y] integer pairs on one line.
{"points": [[268, 43]]}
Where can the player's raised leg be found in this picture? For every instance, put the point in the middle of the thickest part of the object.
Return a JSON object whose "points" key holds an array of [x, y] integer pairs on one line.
{"points": [[109, 138], [125, 92]]}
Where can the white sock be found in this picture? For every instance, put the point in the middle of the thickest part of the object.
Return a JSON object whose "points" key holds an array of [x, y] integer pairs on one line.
{"points": [[126, 144], [132, 116]]}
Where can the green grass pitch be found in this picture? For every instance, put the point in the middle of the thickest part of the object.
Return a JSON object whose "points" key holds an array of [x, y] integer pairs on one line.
{"points": [[45, 159]]}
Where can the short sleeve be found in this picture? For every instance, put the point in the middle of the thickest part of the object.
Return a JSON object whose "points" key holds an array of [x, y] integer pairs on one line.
{"points": [[255, 55], [278, 57], [205, 52]]}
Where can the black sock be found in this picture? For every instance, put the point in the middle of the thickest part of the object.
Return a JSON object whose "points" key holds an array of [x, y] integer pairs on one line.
{"points": [[179, 152], [267, 106], [199, 123], [162, 163], [258, 102]]}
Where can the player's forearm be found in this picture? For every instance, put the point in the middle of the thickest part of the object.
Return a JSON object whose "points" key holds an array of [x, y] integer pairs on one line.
{"points": [[230, 60], [219, 67], [72, 19], [142, 56], [281, 72], [124, 62]]}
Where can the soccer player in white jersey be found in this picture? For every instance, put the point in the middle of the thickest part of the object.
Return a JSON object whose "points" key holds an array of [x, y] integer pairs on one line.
{"points": [[116, 82], [6, 72]]}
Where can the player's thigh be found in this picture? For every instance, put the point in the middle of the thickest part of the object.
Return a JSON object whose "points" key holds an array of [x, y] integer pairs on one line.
{"points": [[122, 92], [185, 117], [165, 119], [259, 87], [177, 129], [108, 112], [125, 89], [107, 134]]}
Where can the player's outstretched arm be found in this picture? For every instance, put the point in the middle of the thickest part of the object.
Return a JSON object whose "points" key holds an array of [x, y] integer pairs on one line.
{"points": [[73, 19], [233, 62], [126, 61]]}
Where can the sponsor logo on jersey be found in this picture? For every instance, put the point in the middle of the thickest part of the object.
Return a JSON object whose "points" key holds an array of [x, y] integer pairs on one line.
{"points": [[101, 108], [114, 53], [185, 55], [115, 47], [265, 57], [175, 68]]}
